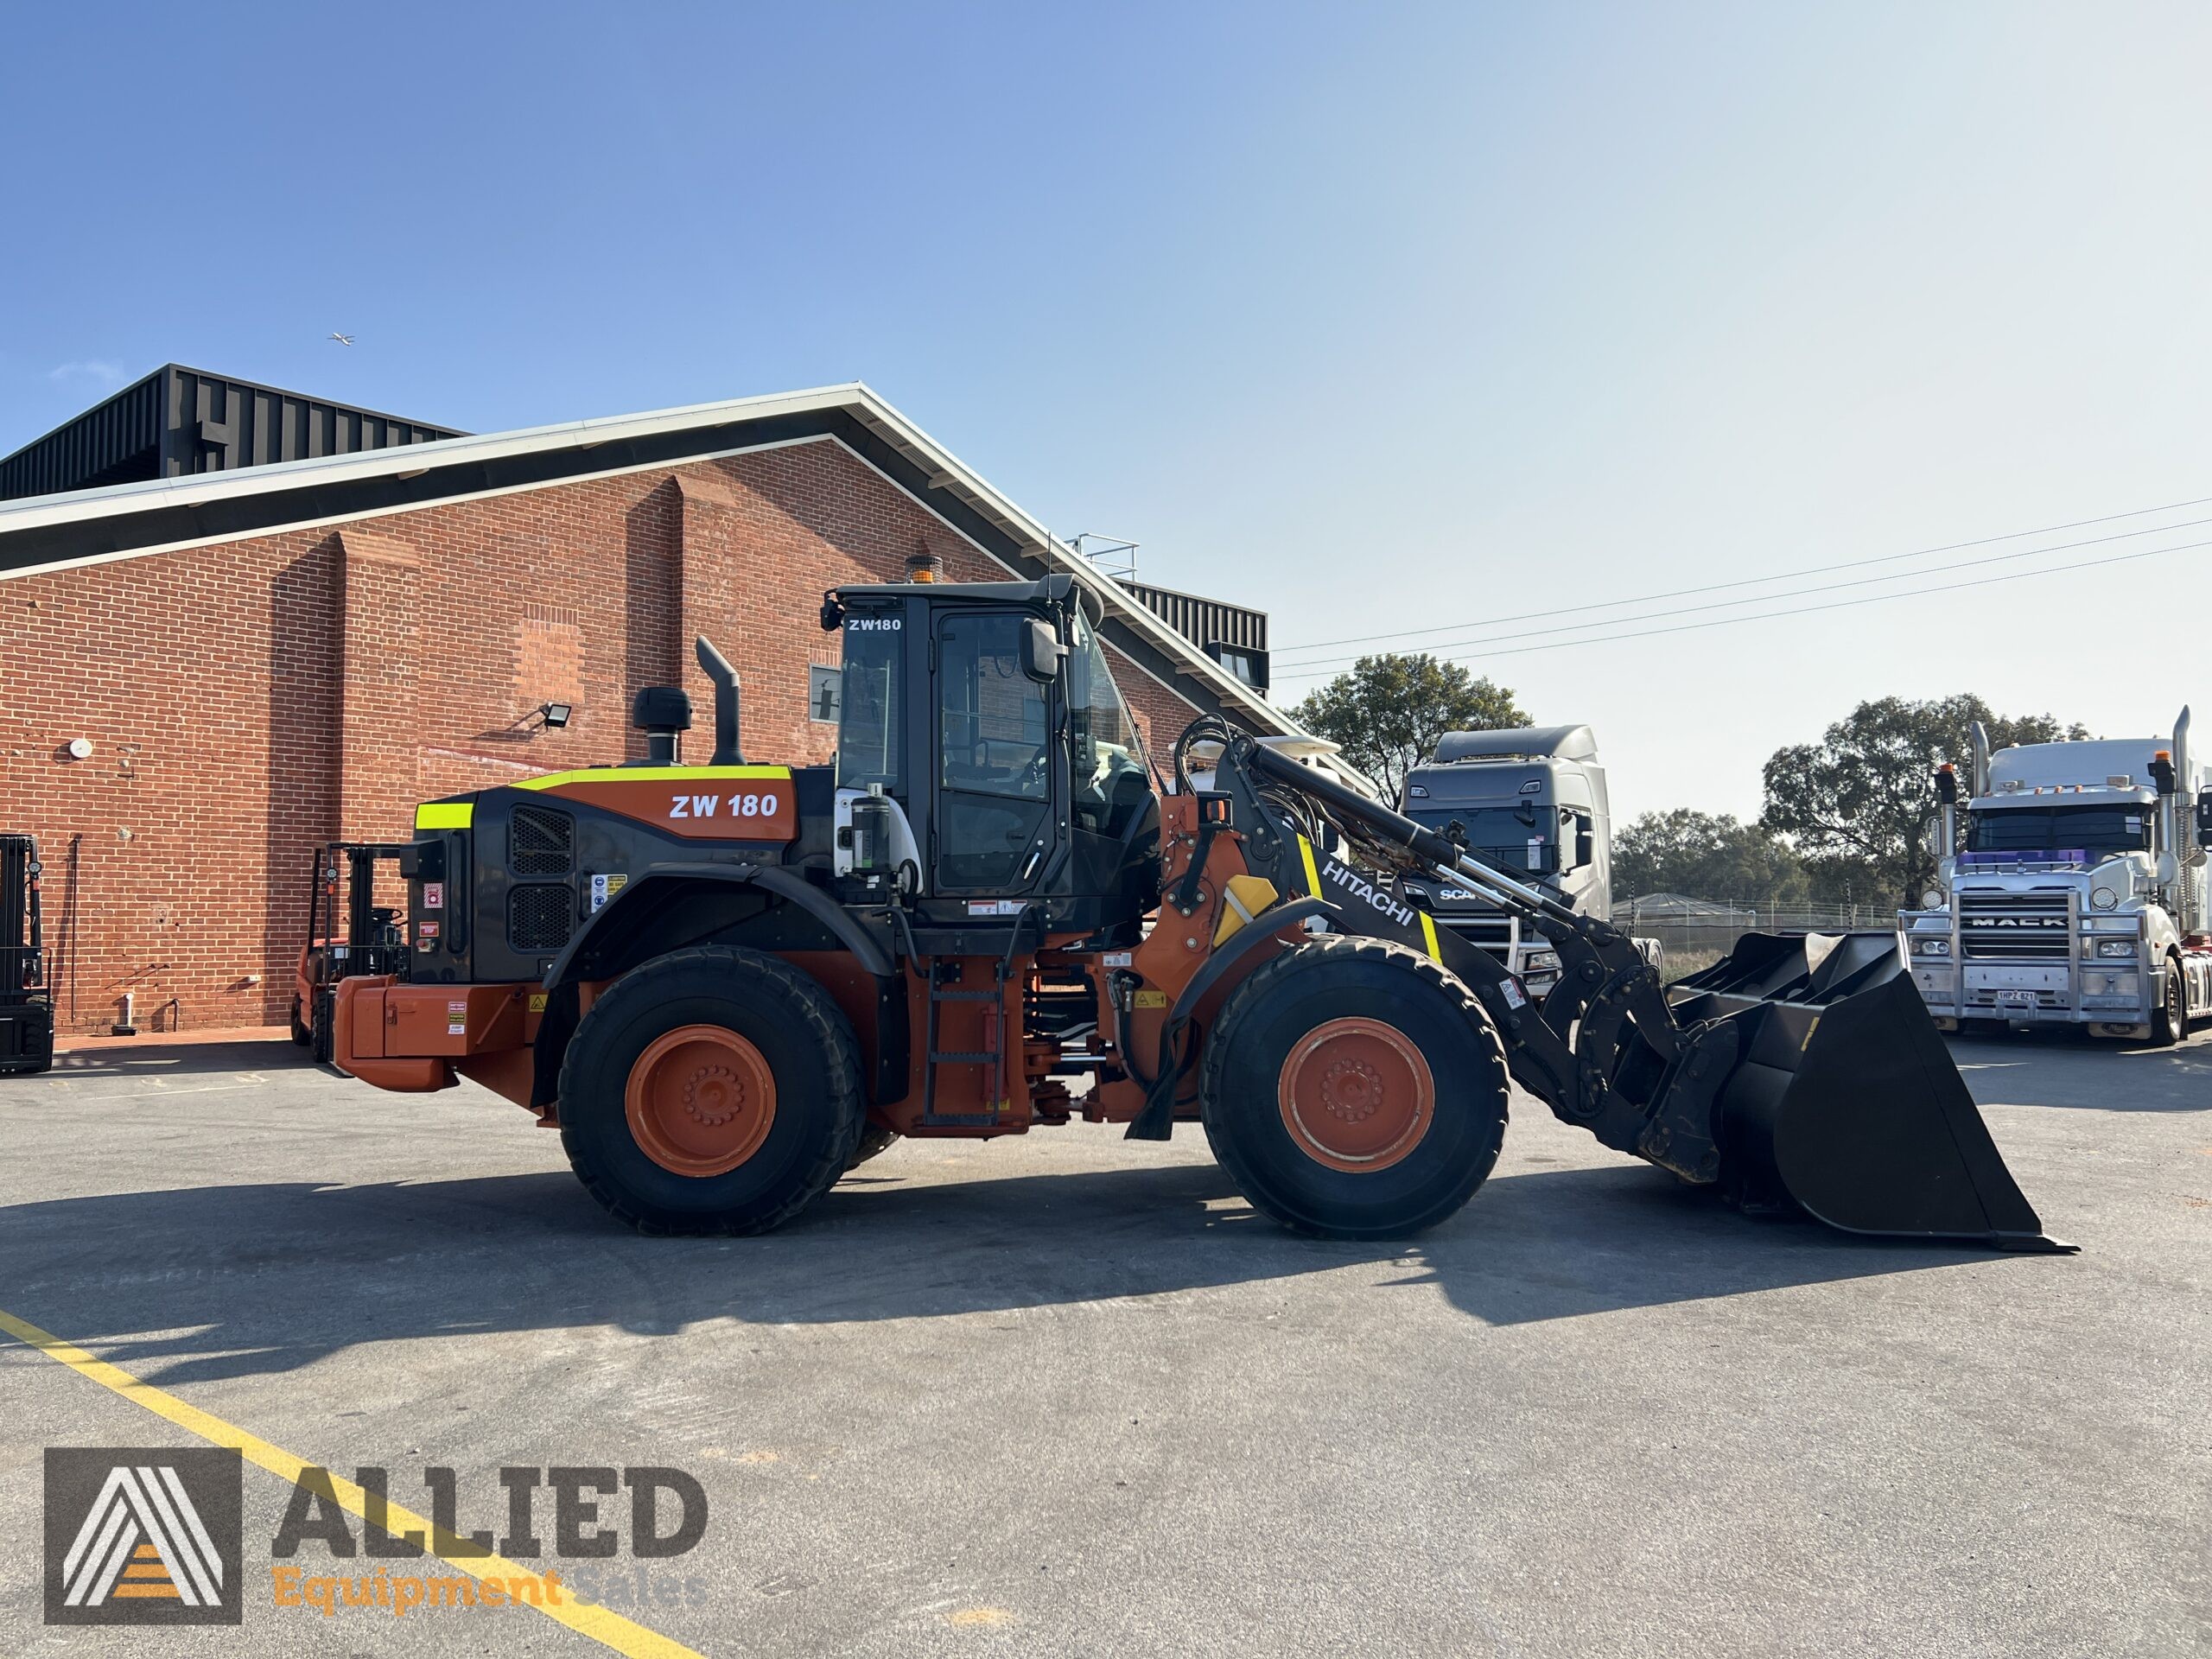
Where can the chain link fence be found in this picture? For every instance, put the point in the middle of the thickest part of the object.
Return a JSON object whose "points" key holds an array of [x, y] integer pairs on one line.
{"points": [[1695, 932]]}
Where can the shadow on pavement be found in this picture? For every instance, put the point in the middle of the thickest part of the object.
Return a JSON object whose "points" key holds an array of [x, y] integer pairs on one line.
{"points": [[264, 1278], [177, 1060]]}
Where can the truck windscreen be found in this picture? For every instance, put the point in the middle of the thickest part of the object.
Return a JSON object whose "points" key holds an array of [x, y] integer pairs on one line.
{"points": [[1523, 837], [2043, 830]]}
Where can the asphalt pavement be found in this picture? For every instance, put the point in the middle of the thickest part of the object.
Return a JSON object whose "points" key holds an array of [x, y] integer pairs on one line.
{"points": [[1066, 1394]]}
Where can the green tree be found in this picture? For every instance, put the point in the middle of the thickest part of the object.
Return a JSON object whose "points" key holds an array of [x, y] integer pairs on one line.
{"points": [[1705, 855], [1388, 711], [1855, 804]]}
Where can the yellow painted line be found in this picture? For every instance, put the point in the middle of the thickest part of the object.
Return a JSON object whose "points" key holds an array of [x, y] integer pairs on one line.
{"points": [[608, 1629], [1429, 932], [650, 775], [1312, 875], [445, 815]]}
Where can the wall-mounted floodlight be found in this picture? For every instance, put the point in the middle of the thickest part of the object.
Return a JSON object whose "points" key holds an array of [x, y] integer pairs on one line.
{"points": [[556, 714]]}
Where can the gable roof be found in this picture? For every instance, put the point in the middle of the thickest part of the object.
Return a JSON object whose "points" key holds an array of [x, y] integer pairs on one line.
{"points": [[134, 520]]}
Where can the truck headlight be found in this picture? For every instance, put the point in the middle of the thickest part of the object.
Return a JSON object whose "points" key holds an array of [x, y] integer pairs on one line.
{"points": [[2116, 948], [1931, 899], [1931, 947], [1540, 962], [2103, 898]]}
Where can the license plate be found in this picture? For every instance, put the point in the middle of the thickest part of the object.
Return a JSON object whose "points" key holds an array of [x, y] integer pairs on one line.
{"points": [[2016, 998]]}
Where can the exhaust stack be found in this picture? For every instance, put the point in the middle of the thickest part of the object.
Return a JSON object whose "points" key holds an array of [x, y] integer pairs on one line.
{"points": [[717, 669], [1978, 773]]}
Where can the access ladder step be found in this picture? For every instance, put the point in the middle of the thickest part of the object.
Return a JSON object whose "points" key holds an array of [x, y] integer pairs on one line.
{"points": [[961, 1057]]}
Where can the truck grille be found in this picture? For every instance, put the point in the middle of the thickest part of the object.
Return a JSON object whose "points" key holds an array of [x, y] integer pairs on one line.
{"points": [[541, 841], [2015, 927], [1491, 932], [540, 916]]}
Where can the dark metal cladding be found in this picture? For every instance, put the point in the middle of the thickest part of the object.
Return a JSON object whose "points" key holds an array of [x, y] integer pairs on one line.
{"points": [[1233, 636], [179, 422]]}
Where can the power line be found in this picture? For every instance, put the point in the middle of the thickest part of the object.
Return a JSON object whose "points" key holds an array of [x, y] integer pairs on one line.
{"points": [[1754, 581], [1824, 588], [1804, 610]]}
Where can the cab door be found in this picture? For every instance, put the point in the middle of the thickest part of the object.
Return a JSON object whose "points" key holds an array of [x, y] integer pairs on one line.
{"points": [[995, 771]]}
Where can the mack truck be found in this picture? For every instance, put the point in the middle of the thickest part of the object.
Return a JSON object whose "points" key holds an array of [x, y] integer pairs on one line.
{"points": [[2073, 892], [1532, 799]]}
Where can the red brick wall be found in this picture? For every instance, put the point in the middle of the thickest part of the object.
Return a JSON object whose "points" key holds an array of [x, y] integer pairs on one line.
{"points": [[249, 700]]}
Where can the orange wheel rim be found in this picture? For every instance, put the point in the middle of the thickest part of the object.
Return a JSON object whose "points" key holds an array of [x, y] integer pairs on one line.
{"points": [[701, 1100], [1356, 1095]]}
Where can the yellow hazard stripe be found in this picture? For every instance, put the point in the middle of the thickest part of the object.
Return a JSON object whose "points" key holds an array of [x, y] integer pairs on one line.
{"points": [[608, 1629], [648, 775], [1429, 932], [1312, 875], [445, 815]]}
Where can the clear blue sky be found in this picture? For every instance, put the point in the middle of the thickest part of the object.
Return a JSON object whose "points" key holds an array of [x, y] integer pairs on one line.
{"points": [[1376, 317]]}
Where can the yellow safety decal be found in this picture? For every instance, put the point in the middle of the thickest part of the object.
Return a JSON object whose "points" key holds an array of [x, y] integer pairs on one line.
{"points": [[1149, 1000], [1312, 875], [537, 1000], [1429, 932], [445, 815], [648, 775]]}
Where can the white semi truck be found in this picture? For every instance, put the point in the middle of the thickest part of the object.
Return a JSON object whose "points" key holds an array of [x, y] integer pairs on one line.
{"points": [[1532, 801], [2075, 894]]}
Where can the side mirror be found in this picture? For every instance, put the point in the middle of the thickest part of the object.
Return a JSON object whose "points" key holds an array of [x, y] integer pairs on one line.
{"points": [[1586, 841], [1931, 838], [2204, 816], [1041, 652]]}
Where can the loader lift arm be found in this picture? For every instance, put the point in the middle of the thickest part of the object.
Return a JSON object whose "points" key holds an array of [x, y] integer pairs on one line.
{"points": [[1604, 1051]]}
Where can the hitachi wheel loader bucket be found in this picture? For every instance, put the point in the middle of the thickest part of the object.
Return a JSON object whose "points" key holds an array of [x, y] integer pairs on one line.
{"points": [[1845, 1102]]}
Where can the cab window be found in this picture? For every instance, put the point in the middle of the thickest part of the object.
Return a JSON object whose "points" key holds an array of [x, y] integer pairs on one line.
{"points": [[1110, 783], [994, 742]]}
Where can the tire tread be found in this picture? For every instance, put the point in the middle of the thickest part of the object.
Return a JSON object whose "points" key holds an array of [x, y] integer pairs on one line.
{"points": [[822, 1018], [1252, 993]]}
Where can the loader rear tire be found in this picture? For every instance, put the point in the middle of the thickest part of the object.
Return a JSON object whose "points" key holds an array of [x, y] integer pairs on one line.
{"points": [[1352, 1088], [714, 1089]]}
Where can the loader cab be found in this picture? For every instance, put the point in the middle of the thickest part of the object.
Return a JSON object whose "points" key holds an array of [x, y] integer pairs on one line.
{"points": [[987, 714]]}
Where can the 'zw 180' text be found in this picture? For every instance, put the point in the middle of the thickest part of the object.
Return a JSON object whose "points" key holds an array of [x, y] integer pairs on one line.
{"points": [[708, 806]]}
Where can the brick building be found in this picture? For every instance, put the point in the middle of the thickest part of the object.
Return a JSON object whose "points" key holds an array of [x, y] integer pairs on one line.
{"points": [[281, 628]]}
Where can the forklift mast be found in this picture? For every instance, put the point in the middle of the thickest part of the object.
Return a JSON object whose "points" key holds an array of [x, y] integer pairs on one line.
{"points": [[26, 998]]}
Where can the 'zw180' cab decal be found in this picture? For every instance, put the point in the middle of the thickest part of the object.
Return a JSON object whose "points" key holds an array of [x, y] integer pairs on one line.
{"points": [[708, 806], [703, 809]]}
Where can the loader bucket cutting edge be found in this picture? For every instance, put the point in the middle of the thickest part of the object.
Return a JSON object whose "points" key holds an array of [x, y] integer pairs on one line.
{"points": [[1845, 1102]]}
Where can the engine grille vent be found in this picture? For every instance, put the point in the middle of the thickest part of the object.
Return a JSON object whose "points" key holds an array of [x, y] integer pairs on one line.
{"points": [[2033, 926], [541, 916], [541, 841]]}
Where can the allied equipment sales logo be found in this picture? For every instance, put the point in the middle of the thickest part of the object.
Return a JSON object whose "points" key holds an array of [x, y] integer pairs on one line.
{"points": [[143, 1536]]}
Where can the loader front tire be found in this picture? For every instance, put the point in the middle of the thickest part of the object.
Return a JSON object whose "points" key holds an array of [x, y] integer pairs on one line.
{"points": [[1352, 1088], [714, 1089]]}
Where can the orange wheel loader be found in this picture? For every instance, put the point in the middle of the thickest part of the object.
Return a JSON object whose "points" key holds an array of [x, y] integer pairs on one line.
{"points": [[725, 984]]}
